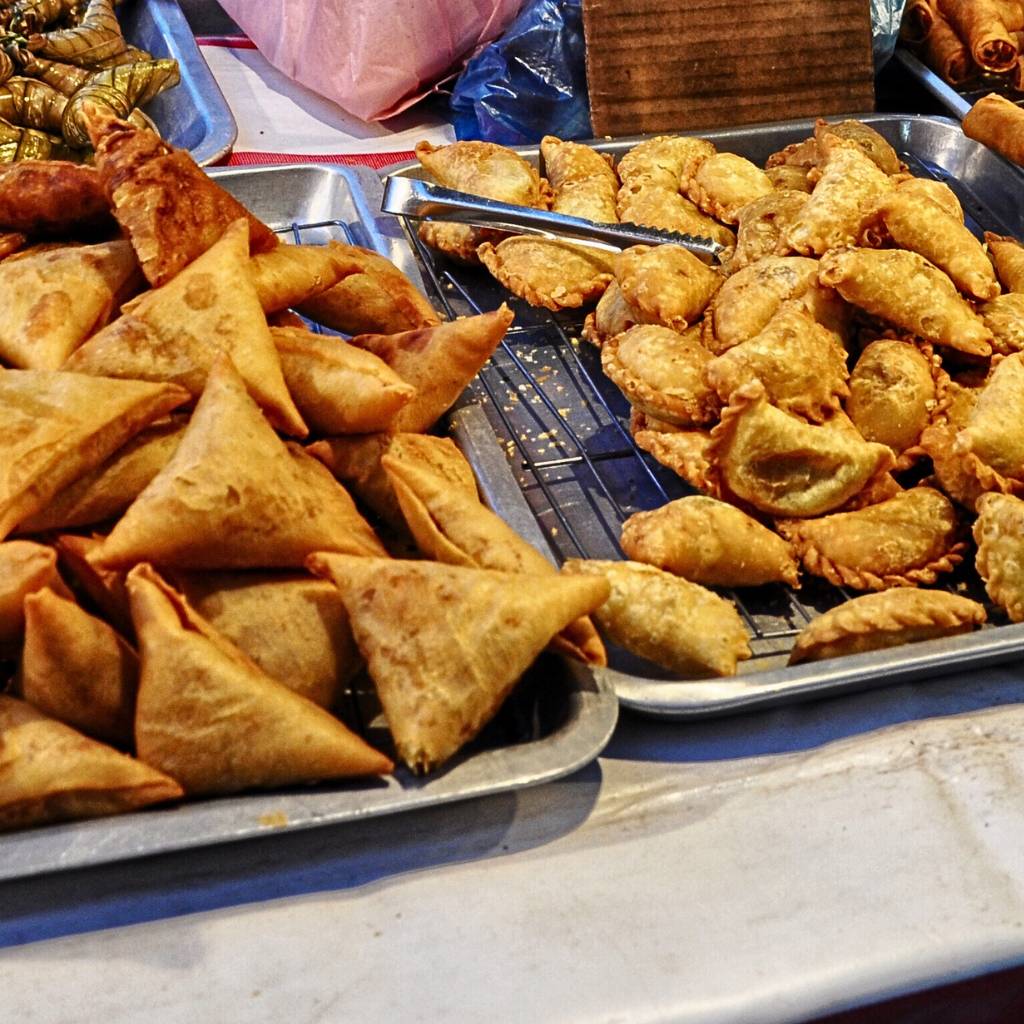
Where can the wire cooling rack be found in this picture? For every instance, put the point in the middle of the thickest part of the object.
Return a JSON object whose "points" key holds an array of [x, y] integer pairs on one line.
{"points": [[564, 427]]}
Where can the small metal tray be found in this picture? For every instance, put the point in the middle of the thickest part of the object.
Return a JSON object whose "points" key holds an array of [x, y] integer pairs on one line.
{"points": [[557, 720], [564, 426], [194, 114], [956, 100]]}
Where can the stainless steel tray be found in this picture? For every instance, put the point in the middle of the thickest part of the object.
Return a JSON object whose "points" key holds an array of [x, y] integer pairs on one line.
{"points": [[564, 427], [557, 720], [194, 115]]}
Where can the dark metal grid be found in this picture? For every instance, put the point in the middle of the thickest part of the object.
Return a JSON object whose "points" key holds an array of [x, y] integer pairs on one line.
{"points": [[564, 428]]}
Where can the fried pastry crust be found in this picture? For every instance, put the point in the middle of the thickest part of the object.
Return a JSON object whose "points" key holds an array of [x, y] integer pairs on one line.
{"points": [[783, 466], [662, 373], [871, 143], [665, 284], [725, 183], [950, 471], [711, 542], [666, 161], [547, 273], [484, 169], [611, 316], [878, 621], [667, 620], [937, 191], [999, 533], [51, 197], [1004, 317], [908, 291], [1008, 256], [797, 360], [762, 223], [676, 448], [583, 181], [787, 177], [907, 540], [893, 394], [917, 223], [654, 207], [850, 187]]}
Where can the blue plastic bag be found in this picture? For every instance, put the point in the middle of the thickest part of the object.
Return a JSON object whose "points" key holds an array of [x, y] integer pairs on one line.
{"points": [[885, 28], [529, 83]]}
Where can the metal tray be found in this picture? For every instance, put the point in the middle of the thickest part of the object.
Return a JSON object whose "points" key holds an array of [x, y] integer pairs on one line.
{"points": [[564, 426], [956, 101], [194, 115], [558, 719]]}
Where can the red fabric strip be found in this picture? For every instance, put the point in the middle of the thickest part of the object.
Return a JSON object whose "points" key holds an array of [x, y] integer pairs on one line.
{"points": [[234, 42], [374, 160]]}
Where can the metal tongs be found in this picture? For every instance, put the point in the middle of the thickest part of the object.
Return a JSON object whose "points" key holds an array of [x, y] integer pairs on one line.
{"points": [[421, 200]]}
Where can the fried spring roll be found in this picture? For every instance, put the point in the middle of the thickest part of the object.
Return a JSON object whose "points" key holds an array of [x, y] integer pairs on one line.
{"points": [[980, 24], [918, 20], [945, 53], [1008, 256], [999, 124]]}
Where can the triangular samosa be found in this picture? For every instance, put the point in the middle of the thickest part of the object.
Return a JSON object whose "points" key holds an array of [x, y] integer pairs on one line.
{"points": [[108, 490], [290, 274], [438, 362], [339, 388], [445, 645], [210, 717], [25, 567], [452, 526], [53, 300], [104, 587], [76, 669], [55, 427], [293, 626], [171, 210], [378, 300], [50, 772], [234, 495], [176, 332]]}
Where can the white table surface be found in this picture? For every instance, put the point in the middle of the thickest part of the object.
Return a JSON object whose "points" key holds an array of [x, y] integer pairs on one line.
{"points": [[769, 867]]}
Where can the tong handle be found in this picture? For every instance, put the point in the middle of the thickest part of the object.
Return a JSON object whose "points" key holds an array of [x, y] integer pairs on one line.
{"points": [[422, 200]]}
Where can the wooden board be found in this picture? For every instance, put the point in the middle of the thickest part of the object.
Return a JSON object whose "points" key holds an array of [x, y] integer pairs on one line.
{"points": [[659, 65]]}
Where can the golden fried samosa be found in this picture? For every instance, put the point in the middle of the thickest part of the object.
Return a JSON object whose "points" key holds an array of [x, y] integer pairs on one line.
{"points": [[175, 333], [380, 299], [170, 209], [53, 300], [438, 362], [108, 490], [450, 525], [290, 274], [104, 587], [25, 567], [445, 645], [49, 772], [75, 668], [293, 626], [234, 495], [213, 719], [56, 427], [339, 388], [52, 197]]}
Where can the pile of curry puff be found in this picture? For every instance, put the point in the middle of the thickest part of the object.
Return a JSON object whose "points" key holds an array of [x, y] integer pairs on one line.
{"points": [[200, 499], [846, 391]]}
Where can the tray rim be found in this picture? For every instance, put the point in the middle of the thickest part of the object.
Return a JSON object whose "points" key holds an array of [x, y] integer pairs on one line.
{"points": [[591, 715], [779, 686]]}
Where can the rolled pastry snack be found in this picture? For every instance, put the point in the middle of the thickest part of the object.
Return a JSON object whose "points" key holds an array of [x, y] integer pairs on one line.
{"points": [[915, 222], [893, 394], [878, 621], [710, 542], [783, 466], [979, 23], [724, 183], [849, 190], [998, 124], [546, 272], [918, 20], [944, 52], [999, 533], [906, 540], [1008, 256], [665, 284], [799, 362], [668, 620], [908, 291], [662, 373], [583, 181], [1011, 13]]}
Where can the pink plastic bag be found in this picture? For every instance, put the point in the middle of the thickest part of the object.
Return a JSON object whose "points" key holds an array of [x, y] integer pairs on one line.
{"points": [[374, 58]]}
